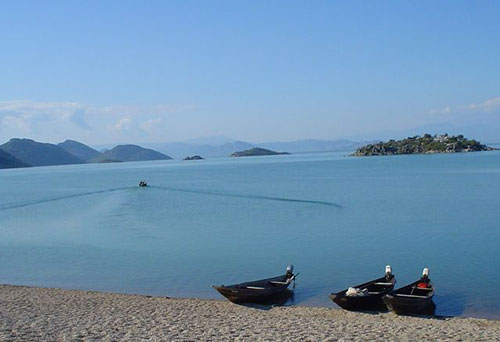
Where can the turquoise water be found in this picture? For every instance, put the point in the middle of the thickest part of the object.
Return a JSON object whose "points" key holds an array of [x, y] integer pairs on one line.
{"points": [[339, 219]]}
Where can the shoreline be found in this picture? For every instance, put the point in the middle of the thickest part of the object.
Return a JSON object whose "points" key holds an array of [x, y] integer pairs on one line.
{"points": [[34, 313], [476, 314]]}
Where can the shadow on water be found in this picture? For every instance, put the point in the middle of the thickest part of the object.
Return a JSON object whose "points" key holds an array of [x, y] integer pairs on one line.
{"points": [[269, 198]]}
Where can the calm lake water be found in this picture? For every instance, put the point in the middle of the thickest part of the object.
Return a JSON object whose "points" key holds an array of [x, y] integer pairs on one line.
{"points": [[230, 220]]}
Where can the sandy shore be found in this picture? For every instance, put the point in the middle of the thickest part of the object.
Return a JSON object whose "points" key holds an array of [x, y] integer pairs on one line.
{"points": [[39, 314]]}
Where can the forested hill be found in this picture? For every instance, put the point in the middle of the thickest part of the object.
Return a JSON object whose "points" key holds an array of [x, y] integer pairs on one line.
{"points": [[423, 144]]}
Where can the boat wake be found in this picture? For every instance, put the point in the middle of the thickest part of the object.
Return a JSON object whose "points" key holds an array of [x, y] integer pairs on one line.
{"points": [[54, 199], [269, 198], [202, 192]]}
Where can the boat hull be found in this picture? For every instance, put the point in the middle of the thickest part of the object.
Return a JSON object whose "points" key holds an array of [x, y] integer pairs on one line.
{"points": [[242, 296], [410, 306], [362, 303], [265, 291]]}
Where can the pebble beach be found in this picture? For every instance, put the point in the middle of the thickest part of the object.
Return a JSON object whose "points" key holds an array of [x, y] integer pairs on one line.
{"points": [[43, 314]]}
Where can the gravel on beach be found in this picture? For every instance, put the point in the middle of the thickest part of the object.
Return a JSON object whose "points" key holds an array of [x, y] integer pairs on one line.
{"points": [[41, 314]]}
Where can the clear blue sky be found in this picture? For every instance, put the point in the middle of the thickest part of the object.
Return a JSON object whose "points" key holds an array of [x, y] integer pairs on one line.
{"points": [[152, 71]]}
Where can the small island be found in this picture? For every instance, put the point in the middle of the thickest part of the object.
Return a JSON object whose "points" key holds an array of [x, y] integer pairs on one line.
{"points": [[196, 157], [256, 151], [443, 143]]}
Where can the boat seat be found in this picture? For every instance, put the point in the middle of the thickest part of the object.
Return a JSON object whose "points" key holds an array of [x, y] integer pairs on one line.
{"points": [[409, 295], [383, 284], [374, 293], [255, 288]]}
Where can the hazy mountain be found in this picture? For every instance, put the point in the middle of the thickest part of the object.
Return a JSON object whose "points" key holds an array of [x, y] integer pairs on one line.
{"points": [[79, 150], [182, 149], [8, 161], [33, 153], [214, 140], [39, 154], [221, 146], [130, 153], [174, 149], [223, 150], [313, 145]]}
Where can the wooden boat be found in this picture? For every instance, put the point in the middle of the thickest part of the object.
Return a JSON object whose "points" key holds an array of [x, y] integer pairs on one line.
{"points": [[366, 296], [264, 291], [412, 299]]}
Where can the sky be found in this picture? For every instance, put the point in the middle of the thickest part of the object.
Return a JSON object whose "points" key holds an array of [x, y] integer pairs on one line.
{"points": [[156, 71]]}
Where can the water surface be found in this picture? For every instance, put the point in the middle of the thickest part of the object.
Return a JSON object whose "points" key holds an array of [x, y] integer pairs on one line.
{"points": [[339, 219]]}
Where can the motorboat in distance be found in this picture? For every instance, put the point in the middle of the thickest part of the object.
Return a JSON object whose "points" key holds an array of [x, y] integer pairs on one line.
{"points": [[264, 291], [366, 296]]}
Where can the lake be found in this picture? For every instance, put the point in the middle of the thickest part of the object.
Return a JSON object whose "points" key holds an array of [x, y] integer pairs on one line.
{"points": [[338, 219]]}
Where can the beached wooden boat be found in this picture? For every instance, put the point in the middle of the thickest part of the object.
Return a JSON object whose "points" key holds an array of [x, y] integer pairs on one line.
{"points": [[368, 297], [412, 299], [264, 291]]}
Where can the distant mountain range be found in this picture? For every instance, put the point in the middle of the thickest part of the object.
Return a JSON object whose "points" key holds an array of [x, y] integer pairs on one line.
{"points": [[313, 145], [26, 152], [183, 149], [224, 147], [39, 154]]}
